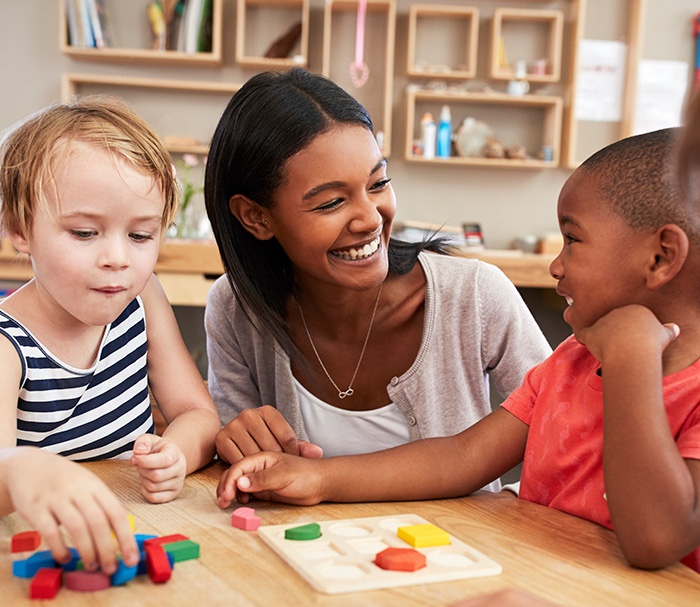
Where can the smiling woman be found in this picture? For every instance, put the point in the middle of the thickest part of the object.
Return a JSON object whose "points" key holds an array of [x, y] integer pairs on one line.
{"points": [[327, 336]]}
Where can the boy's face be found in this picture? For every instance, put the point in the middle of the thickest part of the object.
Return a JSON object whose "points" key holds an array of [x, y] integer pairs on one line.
{"points": [[601, 265], [98, 248]]}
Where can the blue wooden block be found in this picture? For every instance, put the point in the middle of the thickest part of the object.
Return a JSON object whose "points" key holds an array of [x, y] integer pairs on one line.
{"points": [[141, 538], [123, 574], [74, 562], [28, 567]]}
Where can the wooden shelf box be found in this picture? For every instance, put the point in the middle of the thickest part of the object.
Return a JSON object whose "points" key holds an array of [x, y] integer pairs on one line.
{"points": [[533, 121], [442, 41], [539, 38], [340, 23], [137, 38], [262, 22], [207, 100]]}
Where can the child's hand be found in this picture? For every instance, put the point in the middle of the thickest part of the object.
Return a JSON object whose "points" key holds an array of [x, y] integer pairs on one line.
{"points": [[261, 429], [162, 468], [632, 327], [49, 491], [277, 477]]}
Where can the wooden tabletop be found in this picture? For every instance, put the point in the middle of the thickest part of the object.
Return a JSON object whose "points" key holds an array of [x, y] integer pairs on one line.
{"points": [[557, 556]]}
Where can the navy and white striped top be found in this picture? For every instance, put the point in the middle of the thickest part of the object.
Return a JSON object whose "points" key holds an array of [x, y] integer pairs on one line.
{"points": [[85, 414]]}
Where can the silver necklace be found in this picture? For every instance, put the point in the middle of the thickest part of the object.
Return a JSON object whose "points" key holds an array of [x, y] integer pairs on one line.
{"points": [[349, 391]]}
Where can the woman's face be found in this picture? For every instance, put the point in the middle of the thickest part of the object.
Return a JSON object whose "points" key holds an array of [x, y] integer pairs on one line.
{"points": [[334, 210]]}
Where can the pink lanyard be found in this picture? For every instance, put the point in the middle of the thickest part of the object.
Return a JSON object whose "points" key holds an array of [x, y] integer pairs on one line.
{"points": [[359, 72]]}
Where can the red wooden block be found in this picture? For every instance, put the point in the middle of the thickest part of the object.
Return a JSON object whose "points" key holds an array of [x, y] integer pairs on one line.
{"points": [[46, 583], [86, 581], [165, 539], [245, 518], [157, 564], [27, 540], [400, 559]]}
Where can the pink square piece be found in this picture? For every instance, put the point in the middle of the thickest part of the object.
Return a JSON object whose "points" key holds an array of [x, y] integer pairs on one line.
{"points": [[245, 518]]}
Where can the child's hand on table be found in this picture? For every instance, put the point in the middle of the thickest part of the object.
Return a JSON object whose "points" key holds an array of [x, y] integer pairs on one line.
{"points": [[161, 466], [49, 491], [276, 477]]}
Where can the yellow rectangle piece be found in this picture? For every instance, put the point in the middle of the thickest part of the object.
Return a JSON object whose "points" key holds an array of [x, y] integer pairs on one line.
{"points": [[423, 536]]}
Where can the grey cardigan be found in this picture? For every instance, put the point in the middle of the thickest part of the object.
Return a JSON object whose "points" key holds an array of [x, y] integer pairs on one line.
{"points": [[476, 325]]}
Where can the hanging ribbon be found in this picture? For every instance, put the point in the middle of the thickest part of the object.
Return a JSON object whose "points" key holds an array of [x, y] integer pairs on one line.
{"points": [[359, 72]]}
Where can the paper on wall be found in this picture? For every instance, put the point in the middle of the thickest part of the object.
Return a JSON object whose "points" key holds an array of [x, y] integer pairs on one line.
{"points": [[600, 80], [661, 90]]}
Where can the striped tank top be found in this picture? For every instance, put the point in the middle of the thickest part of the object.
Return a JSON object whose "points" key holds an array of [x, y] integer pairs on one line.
{"points": [[85, 414]]}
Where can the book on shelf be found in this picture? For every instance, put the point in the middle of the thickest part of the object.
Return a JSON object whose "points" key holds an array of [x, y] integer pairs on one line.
{"points": [[194, 33], [87, 24]]}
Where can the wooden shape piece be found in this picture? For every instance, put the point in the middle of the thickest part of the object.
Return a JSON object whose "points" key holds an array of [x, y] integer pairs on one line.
{"points": [[423, 536], [46, 583], [245, 519], [183, 550], [400, 559], [157, 564], [311, 531], [86, 581], [25, 541]]}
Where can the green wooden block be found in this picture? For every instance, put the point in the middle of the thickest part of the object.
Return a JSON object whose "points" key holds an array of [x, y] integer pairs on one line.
{"points": [[183, 550], [311, 531]]}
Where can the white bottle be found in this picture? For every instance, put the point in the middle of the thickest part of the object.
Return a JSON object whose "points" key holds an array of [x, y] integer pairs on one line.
{"points": [[429, 134]]}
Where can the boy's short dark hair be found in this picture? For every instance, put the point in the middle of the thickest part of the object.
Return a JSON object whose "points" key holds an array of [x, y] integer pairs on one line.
{"points": [[636, 176]]}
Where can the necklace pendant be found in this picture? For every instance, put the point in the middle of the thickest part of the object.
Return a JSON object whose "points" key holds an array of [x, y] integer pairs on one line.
{"points": [[348, 392]]}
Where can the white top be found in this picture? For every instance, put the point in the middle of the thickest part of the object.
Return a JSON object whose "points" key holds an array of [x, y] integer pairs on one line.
{"points": [[341, 432]]}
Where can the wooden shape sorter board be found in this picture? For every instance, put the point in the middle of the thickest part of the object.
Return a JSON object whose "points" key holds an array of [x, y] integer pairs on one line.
{"points": [[342, 559]]}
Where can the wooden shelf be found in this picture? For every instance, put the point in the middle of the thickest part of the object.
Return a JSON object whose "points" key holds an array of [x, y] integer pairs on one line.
{"points": [[143, 55], [72, 84], [546, 47], [547, 109], [261, 22], [455, 56]]}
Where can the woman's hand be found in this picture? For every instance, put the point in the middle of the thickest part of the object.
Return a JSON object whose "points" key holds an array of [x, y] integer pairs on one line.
{"points": [[261, 429]]}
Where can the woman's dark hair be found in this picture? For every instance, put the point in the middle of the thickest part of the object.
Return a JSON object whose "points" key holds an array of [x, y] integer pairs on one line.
{"points": [[271, 118]]}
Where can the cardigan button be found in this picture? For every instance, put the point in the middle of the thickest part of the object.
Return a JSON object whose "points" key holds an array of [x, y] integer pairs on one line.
{"points": [[411, 420], [394, 381]]}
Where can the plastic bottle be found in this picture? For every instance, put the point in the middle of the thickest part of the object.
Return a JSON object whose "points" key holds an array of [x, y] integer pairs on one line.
{"points": [[429, 131], [444, 134]]}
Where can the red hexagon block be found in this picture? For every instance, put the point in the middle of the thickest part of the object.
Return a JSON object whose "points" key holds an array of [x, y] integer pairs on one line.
{"points": [[400, 559]]}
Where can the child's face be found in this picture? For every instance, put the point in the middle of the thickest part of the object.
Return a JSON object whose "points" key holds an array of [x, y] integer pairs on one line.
{"points": [[600, 266], [99, 249], [336, 202]]}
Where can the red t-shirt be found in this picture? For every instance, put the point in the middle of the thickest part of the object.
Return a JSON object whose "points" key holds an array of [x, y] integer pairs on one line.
{"points": [[562, 401]]}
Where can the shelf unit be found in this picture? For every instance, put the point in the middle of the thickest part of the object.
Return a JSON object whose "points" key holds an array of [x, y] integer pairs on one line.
{"points": [[339, 26], [142, 55], [551, 23], [455, 56], [260, 23], [542, 126], [72, 84]]}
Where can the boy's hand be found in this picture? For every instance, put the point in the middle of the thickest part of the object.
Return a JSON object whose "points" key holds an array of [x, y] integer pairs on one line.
{"points": [[628, 328], [162, 468], [277, 477], [261, 429], [49, 491]]}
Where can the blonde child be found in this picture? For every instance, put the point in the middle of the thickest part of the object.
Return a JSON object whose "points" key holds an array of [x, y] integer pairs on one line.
{"points": [[87, 192], [607, 428]]}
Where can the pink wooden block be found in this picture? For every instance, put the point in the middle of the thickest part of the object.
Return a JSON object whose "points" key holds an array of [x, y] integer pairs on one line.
{"points": [[46, 583], [27, 540], [245, 518], [86, 581]]}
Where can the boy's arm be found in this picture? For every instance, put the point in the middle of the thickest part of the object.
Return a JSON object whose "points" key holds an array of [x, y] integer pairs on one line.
{"points": [[177, 384], [10, 377], [652, 492], [430, 468]]}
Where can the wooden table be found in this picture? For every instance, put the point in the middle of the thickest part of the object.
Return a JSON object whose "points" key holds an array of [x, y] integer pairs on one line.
{"points": [[563, 558]]}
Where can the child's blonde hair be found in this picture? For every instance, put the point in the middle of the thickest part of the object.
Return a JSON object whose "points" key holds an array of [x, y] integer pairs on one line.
{"points": [[30, 151]]}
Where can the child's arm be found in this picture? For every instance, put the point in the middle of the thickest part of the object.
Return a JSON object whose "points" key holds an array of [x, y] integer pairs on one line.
{"points": [[430, 468], [188, 442], [652, 492], [10, 377], [49, 491]]}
